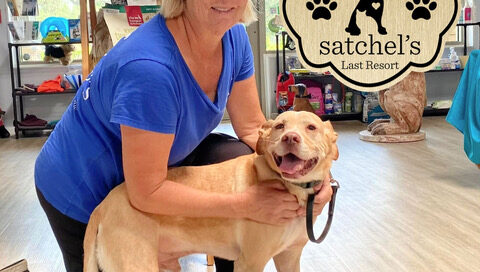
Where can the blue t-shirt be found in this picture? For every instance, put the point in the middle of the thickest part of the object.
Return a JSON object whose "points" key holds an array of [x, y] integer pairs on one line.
{"points": [[143, 82]]}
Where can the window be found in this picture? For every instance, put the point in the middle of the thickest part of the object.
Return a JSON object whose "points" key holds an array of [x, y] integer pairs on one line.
{"points": [[69, 9], [272, 19]]}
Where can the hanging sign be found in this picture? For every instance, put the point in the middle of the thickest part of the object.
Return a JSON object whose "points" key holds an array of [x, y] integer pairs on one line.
{"points": [[369, 45]]}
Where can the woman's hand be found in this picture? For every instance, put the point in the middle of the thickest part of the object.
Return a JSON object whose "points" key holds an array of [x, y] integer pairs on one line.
{"points": [[323, 195], [269, 203]]}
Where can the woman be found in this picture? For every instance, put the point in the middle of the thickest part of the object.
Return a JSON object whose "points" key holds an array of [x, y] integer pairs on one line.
{"points": [[150, 104]]}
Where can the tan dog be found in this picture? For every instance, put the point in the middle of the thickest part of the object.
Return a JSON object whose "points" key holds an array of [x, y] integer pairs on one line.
{"points": [[404, 102], [297, 147]]}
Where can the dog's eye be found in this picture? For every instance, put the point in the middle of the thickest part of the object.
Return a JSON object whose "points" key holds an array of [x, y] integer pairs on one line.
{"points": [[279, 126], [311, 127]]}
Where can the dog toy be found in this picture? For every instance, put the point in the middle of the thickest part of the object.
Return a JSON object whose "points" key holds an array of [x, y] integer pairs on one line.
{"points": [[62, 53]]}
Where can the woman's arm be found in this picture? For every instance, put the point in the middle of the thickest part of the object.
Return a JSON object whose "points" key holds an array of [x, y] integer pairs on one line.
{"points": [[244, 109], [145, 159]]}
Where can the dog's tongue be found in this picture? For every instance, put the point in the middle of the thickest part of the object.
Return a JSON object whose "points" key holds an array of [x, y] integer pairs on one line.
{"points": [[291, 164]]}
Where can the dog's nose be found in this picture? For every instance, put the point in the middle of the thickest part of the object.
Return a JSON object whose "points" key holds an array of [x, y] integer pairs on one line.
{"points": [[291, 138]]}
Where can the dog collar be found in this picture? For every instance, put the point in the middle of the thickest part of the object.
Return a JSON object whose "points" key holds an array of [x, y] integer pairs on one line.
{"points": [[307, 185]]}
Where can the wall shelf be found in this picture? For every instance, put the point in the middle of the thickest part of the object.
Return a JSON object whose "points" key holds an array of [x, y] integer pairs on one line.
{"points": [[17, 93]]}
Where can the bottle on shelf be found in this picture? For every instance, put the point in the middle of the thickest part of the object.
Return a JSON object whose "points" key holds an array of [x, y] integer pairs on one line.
{"points": [[467, 12], [454, 60], [461, 20], [348, 102], [328, 99]]}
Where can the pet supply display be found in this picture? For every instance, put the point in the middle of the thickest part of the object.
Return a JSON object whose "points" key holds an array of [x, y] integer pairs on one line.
{"points": [[317, 99], [33, 121], [328, 99], [348, 102], [335, 97], [357, 102], [28, 88], [315, 91], [74, 30], [50, 86], [442, 104], [337, 107], [75, 80], [454, 60], [372, 109], [54, 29], [467, 12], [284, 98]]}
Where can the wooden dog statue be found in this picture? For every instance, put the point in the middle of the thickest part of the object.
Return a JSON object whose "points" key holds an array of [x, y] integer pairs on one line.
{"points": [[404, 102]]}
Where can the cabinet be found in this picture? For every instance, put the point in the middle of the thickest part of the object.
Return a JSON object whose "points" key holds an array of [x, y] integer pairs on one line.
{"points": [[18, 95]]}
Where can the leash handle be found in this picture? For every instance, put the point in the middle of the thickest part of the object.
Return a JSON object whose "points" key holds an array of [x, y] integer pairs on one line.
{"points": [[331, 207]]}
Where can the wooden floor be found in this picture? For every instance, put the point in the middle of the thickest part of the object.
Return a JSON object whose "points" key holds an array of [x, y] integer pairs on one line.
{"points": [[401, 207]]}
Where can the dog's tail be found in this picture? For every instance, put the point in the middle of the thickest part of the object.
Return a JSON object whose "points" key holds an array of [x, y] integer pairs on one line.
{"points": [[90, 261]]}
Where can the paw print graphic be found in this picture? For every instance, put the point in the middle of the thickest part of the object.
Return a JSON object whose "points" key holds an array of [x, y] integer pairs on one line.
{"points": [[321, 9], [421, 9]]}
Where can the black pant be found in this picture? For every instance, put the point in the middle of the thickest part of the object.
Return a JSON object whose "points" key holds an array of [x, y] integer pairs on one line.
{"points": [[70, 233]]}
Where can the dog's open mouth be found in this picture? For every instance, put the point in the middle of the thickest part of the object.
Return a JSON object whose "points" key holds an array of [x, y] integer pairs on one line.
{"points": [[294, 167]]}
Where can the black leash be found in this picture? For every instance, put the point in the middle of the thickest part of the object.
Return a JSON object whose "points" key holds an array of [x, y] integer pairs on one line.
{"points": [[331, 207]]}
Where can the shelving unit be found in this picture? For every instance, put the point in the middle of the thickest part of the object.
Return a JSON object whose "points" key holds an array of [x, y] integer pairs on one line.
{"points": [[17, 94], [465, 25]]}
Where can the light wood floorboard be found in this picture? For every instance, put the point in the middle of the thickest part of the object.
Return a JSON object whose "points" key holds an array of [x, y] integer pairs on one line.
{"points": [[401, 207]]}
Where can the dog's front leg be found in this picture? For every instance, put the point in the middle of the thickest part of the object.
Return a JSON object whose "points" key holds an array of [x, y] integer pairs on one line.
{"points": [[169, 251], [289, 259], [251, 263]]}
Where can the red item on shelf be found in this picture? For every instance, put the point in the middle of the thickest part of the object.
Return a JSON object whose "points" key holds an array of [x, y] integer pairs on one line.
{"points": [[284, 97], [51, 86], [31, 120]]}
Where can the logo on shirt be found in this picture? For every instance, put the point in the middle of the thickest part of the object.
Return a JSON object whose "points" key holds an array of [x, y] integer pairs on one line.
{"points": [[86, 91]]}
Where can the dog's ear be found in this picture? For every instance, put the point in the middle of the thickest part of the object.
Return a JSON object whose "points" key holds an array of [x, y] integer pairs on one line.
{"points": [[263, 134], [332, 136]]}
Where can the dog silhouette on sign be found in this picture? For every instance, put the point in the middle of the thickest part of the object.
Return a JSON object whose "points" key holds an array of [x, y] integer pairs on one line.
{"points": [[374, 9]]}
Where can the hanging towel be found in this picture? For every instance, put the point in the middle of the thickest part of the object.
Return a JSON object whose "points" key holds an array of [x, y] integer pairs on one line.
{"points": [[465, 111], [51, 86]]}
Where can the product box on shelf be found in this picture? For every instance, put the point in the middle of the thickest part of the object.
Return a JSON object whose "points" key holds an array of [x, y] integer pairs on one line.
{"points": [[372, 109], [74, 29]]}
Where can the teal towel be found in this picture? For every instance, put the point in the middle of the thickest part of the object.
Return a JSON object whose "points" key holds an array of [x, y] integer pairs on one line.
{"points": [[465, 111]]}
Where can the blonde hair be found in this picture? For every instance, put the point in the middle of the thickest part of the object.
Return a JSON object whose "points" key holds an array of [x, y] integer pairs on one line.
{"points": [[174, 8]]}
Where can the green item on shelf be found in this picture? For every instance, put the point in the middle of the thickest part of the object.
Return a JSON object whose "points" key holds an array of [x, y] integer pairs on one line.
{"points": [[348, 102], [53, 123], [55, 37]]}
